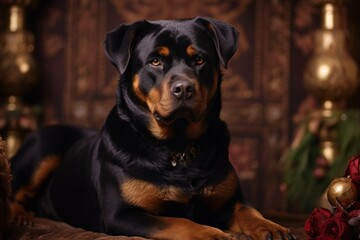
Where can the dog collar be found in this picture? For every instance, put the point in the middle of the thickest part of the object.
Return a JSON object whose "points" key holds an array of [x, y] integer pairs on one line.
{"points": [[184, 158]]}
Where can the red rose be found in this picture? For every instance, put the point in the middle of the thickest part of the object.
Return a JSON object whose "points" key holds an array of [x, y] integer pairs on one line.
{"points": [[353, 171], [336, 228], [323, 225], [314, 224]]}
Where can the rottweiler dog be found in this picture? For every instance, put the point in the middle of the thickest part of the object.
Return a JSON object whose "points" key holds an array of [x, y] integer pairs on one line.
{"points": [[159, 167]]}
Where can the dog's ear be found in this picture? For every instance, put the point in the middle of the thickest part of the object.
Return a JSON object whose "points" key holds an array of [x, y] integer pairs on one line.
{"points": [[118, 44], [224, 36]]}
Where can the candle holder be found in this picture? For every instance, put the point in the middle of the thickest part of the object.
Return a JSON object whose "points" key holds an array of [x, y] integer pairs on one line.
{"points": [[18, 75], [331, 74]]}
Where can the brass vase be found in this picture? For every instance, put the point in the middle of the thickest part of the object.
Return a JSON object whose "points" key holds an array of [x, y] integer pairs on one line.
{"points": [[18, 73], [331, 74], [18, 69]]}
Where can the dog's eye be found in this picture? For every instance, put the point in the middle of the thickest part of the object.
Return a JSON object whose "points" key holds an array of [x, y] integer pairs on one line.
{"points": [[199, 61], [155, 62]]}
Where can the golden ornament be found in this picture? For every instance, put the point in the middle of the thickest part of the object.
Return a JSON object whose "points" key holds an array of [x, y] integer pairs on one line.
{"points": [[342, 191], [331, 73]]}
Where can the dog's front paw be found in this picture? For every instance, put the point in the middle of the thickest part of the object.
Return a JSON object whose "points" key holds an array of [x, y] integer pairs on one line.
{"points": [[264, 229], [184, 229], [251, 223], [214, 234]]}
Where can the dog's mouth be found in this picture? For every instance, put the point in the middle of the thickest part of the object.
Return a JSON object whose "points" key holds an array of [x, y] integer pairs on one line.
{"points": [[183, 113]]}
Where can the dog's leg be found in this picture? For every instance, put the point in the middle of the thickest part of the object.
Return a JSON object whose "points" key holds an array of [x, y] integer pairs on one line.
{"points": [[46, 167], [250, 222], [184, 229], [139, 223]]}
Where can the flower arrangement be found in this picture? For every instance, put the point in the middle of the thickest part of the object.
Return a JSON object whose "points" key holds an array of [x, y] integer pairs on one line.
{"points": [[344, 221], [307, 169]]}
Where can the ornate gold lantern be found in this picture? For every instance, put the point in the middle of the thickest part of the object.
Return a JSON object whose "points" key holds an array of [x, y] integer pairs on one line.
{"points": [[18, 72], [331, 74]]}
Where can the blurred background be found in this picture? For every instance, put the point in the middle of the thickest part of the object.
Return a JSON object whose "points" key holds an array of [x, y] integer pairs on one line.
{"points": [[289, 90]]}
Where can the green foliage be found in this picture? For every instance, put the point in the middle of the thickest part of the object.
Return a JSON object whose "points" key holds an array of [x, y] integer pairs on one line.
{"points": [[303, 188]]}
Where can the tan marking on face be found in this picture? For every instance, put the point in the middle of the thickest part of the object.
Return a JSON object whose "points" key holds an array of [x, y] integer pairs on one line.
{"points": [[136, 87], [153, 99], [196, 129], [151, 197], [160, 100], [159, 131], [200, 99], [164, 51], [214, 86], [191, 51], [216, 196], [203, 97]]}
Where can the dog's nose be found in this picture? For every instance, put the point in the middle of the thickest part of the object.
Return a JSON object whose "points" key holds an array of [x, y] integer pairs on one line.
{"points": [[182, 89]]}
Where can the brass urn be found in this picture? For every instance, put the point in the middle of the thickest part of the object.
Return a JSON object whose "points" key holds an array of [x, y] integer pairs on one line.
{"points": [[18, 75], [18, 68], [331, 74]]}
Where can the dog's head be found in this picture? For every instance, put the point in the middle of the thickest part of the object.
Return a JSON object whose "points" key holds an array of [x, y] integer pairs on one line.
{"points": [[171, 71]]}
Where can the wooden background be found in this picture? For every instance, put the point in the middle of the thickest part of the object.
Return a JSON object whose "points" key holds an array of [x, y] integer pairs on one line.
{"points": [[263, 91]]}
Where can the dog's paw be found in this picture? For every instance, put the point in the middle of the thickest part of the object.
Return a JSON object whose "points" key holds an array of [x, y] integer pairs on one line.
{"points": [[214, 234], [194, 232], [19, 216], [267, 230]]}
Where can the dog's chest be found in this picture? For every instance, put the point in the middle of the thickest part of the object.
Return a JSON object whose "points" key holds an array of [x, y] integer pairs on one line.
{"points": [[156, 199]]}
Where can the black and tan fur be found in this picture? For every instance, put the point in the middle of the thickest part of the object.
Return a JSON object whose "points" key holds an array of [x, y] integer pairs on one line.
{"points": [[159, 167]]}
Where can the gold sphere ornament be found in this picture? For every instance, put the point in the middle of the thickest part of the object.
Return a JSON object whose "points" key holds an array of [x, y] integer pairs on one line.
{"points": [[342, 191]]}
